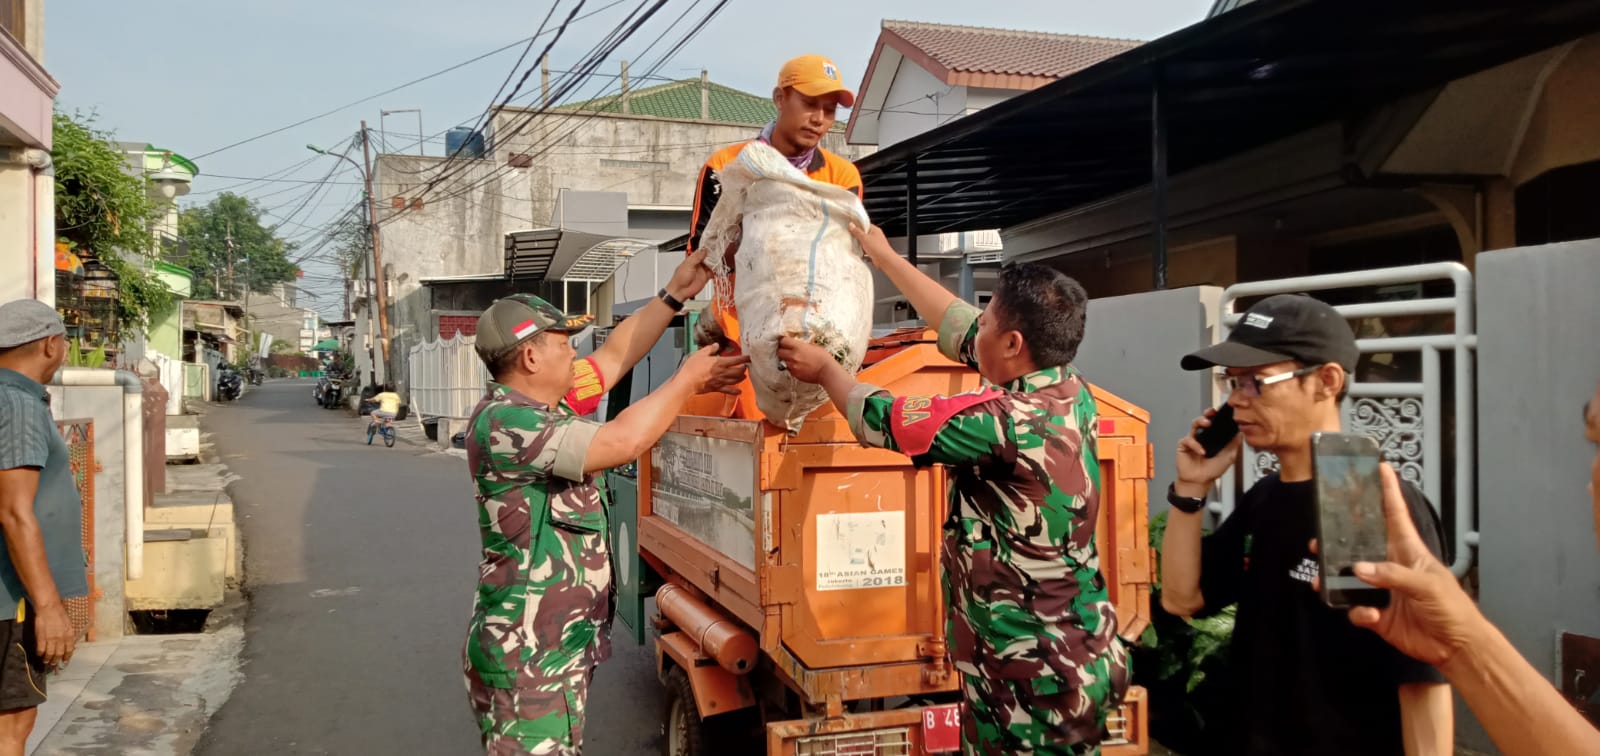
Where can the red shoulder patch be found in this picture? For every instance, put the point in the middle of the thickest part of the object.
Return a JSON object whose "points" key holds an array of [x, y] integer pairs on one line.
{"points": [[914, 421], [588, 386]]}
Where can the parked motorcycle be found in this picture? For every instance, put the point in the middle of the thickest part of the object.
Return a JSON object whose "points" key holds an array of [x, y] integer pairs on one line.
{"points": [[230, 385], [332, 392]]}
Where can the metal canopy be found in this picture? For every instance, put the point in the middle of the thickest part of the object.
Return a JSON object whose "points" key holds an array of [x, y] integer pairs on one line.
{"points": [[1242, 79], [549, 254]]}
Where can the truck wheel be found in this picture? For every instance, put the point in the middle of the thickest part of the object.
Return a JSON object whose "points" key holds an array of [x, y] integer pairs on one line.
{"points": [[684, 735]]}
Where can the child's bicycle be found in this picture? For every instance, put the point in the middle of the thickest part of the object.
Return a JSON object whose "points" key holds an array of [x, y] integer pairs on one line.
{"points": [[380, 426]]}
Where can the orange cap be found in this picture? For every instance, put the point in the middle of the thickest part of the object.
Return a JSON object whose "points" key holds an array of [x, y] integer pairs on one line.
{"points": [[816, 76]]}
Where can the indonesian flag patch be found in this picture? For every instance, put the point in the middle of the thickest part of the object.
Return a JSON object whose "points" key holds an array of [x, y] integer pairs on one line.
{"points": [[525, 329]]}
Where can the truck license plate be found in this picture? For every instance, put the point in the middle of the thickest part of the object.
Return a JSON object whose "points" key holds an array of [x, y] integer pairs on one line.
{"points": [[941, 728]]}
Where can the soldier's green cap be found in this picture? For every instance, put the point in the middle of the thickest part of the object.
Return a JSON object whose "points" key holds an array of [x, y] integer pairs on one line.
{"points": [[517, 318]]}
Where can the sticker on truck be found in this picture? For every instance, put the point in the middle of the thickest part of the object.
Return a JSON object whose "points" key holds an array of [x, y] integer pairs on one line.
{"points": [[861, 550]]}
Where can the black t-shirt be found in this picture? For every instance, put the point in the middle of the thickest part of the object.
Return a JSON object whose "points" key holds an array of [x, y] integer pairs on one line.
{"points": [[1305, 680]]}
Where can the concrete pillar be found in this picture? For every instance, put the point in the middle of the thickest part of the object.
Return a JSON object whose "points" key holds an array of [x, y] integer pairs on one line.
{"points": [[705, 95], [625, 103], [544, 81], [1499, 214]]}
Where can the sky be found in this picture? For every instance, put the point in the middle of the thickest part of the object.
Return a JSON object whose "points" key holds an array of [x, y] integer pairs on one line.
{"points": [[197, 76]]}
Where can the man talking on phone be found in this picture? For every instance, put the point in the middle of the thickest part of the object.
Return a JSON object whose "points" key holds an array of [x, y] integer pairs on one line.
{"points": [[1305, 680]]}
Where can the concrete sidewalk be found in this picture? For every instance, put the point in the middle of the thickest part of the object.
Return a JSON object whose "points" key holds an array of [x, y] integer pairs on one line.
{"points": [[151, 694], [144, 694]]}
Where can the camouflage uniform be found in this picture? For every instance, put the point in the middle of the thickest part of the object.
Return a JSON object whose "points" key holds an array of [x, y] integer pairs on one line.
{"points": [[542, 617], [1033, 633]]}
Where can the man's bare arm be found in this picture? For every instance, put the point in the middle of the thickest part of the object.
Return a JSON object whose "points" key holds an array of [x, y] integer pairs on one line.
{"points": [[25, 542], [638, 427], [635, 336], [929, 297], [1522, 712], [1427, 719]]}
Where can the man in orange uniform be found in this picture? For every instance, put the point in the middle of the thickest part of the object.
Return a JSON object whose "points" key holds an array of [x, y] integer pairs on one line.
{"points": [[809, 93]]}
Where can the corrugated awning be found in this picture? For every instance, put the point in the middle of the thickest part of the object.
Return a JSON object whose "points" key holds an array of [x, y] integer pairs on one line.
{"points": [[1245, 78]]}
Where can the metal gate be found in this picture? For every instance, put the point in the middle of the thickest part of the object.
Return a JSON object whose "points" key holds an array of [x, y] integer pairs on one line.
{"points": [[1404, 413], [79, 435], [447, 378]]}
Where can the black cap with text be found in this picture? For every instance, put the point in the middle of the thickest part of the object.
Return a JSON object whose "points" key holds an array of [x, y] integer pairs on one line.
{"points": [[1281, 328]]}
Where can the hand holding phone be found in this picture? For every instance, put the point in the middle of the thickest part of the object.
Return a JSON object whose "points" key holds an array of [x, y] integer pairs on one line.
{"points": [[1351, 526], [1220, 433]]}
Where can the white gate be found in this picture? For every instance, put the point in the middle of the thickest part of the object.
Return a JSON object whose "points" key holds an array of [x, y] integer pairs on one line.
{"points": [[447, 378], [1405, 416]]}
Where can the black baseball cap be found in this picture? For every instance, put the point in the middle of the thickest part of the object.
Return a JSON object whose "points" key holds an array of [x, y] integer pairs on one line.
{"points": [[1281, 328]]}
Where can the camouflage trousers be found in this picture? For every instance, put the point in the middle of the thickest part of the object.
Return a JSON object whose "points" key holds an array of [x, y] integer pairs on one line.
{"points": [[540, 720], [1045, 716]]}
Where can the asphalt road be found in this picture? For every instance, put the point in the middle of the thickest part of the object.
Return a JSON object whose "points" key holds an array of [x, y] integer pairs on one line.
{"points": [[360, 563]]}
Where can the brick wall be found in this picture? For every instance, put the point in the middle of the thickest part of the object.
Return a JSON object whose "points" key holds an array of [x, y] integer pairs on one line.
{"points": [[449, 325]]}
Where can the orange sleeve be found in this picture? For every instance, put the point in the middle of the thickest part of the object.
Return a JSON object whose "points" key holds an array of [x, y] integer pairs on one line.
{"points": [[708, 188]]}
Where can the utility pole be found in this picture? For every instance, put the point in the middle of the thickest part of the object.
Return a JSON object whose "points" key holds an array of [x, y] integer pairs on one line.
{"points": [[381, 287], [346, 312], [228, 238]]}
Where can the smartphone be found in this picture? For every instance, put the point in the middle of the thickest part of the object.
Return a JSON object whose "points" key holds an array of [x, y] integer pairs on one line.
{"points": [[1350, 521], [1217, 437]]}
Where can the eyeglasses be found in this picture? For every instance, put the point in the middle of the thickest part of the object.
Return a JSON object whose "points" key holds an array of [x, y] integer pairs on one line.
{"points": [[1250, 385]]}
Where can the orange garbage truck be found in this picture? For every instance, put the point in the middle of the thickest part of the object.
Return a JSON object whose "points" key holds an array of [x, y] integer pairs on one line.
{"points": [[797, 584]]}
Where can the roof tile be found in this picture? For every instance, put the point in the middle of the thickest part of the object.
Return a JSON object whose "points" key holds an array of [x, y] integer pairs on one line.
{"points": [[680, 100], [975, 49]]}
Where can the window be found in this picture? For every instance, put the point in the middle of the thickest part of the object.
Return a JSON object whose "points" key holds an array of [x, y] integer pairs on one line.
{"points": [[1557, 206], [311, 324], [13, 18]]}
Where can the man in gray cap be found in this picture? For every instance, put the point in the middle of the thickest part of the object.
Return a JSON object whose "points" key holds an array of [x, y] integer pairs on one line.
{"points": [[41, 516]]}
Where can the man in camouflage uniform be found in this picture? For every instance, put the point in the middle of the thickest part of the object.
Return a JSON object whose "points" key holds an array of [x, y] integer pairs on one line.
{"points": [[1033, 633], [542, 616]]}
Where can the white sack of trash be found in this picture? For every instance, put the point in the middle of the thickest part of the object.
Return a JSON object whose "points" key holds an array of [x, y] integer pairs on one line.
{"points": [[798, 272]]}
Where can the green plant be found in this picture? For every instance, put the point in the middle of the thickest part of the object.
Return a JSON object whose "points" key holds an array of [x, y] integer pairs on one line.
{"points": [[1184, 665], [104, 212], [76, 357]]}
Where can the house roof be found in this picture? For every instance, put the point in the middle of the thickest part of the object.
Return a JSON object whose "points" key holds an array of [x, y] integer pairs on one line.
{"points": [[680, 100], [972, 56], [1239, 80], [979, 50], [233, 308]]}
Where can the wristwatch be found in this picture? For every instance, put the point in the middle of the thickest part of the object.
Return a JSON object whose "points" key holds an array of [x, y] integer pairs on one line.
{"points": [[1184, 504], [672, 301]]}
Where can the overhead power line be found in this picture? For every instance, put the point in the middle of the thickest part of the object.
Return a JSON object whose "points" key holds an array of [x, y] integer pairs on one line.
{"points": [[581, 74], [579, 114], [390, 90], [282, 181]]}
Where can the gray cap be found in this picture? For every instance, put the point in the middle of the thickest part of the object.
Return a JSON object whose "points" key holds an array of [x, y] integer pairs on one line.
{"points": [[26, 320]]}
